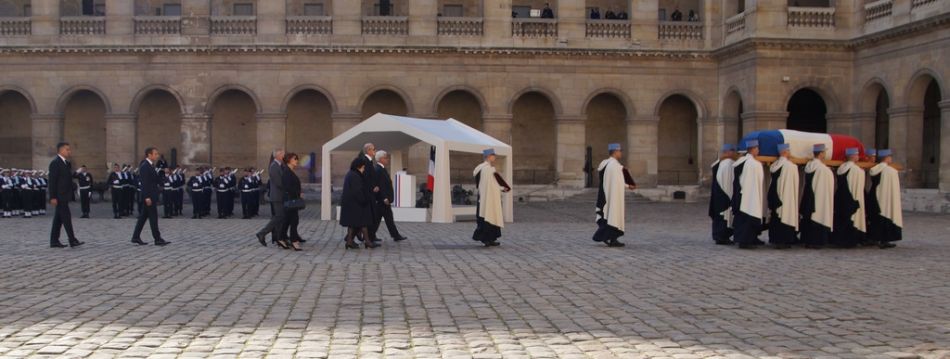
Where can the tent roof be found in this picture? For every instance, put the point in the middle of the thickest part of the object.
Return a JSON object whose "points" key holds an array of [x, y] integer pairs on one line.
{"points": [[398, 132]]}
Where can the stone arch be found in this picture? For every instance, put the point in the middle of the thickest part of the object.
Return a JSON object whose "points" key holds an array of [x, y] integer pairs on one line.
{"points": [[158, 113], [678, 144], [923, 131], [16, 139], [376, 90], [555, 102], [619, 94], [466, 106], [233, 128], [309, 125], [808, 110], [296, 90], [482, 104], [258, 105], [147, 90], [917, 87], [732, 109], [66, 95], [697, 101], [23, 92], [84, 127], [876, 100], [533, 127], [606, 122]]}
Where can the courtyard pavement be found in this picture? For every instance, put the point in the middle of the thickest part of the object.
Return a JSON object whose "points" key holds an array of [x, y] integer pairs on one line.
{"points": [[547, 291]]}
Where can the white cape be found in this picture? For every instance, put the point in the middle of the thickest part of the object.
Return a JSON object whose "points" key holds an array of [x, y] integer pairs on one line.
{"points": [[613, 192], [787, 189], [724, 177], [856, 186], [751, 183], [823, 185], [889, 193], [489, 195]]}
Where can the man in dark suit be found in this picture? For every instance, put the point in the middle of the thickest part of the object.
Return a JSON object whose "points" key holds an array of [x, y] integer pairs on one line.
{"points": [[149, 178], [276, 223], [61, 189], [371, 183], [384, 201]]}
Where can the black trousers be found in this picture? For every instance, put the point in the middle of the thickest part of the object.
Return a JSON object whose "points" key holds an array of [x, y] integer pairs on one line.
{"points": [[385, 212], [168, 202], [179, 200], [291, 221], [255, 203], [276, 224], [246, 204], [84, 196], [195, 203], [150, 214], [222, 203], [118, 201], [62, 219], [720, 229]]}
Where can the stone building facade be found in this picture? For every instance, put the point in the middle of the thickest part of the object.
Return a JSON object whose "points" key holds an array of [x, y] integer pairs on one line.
{"points": [[224, 82]]}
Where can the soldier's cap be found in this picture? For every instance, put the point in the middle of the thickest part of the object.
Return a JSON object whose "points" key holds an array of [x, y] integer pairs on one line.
{"points": [[782, 147], [853, 151], [818, 147], [884, 153], [751, 143]]}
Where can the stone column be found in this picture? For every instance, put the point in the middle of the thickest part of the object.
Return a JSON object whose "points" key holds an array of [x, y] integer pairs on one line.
{"points": [[423, 19], [195, 17], [570, 151], [728, 130], [863, 127], [944, 145], [763, 120], [840, 123], [119, 21], [45, 20], [271, 20], [195, 139], [906, 126], [643, 18], [271, 135], [120, 138], [343, 121], [572, 21], [497, 22], [47, 132], [347, 18], [643, 150]]}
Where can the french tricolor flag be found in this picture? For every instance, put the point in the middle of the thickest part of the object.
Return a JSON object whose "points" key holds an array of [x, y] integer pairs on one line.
{"points": [[800, 143], [430, 180]]}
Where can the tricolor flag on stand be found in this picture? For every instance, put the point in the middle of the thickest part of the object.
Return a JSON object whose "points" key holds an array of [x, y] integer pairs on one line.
{"points": [[430, 180]]}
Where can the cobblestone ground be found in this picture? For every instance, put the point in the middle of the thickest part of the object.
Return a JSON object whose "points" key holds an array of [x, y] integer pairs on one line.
{"points": [[548, 291]]}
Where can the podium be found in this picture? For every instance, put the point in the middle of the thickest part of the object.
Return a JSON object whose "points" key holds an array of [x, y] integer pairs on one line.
{"points": [[405, 190]]}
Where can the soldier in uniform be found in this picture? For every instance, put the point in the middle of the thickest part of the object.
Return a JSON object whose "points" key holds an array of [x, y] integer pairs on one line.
{"points": [[208, 189], [244, 185], [6, 193], [168, 192], [180, 189], [26, 194], [17, 201], [40, 194], [128, 196], [195, 192], [85, 189], [117, 192]]}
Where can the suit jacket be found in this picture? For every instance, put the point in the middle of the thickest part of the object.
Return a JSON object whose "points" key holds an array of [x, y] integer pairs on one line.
{"points": [[60, 180], [370, 179], [275, 173], [385, 184], [150, 182]]}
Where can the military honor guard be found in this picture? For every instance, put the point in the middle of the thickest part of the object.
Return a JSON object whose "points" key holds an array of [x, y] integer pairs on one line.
{"points": [[817, 204], [222, 187], [886, 190], [27, 195], [39, 193], [207, 183], [6, 193], [720, 200], [115, 191], [850, 227], [179, 187], [168, 193], [250, 187], [84, 178], [61, 189], [783, 200], [614, 180], [747, 198], [488, 213], [151, 183], [195, 192]]}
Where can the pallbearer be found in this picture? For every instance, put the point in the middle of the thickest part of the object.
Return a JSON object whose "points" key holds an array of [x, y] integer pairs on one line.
{"points": [[783, 200], [488, 213], [610, 197], [850, 225], [870, 201], [747, 197], [886, 190], [817, 206], [721, 198]]}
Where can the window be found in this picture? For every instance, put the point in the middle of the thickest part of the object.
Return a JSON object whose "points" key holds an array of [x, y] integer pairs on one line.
{"points": [[453, 11], [171, 9], [27, 10], [100, 10], [521, 11], [313, 9], [243, 9]]}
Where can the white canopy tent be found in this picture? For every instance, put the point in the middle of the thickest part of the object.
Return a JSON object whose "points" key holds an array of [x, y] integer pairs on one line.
{"points": [[396, 134]]}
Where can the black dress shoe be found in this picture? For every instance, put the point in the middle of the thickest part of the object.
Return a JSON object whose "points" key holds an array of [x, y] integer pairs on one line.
{"points": [[886, 245], [75, 243], [57, 245], [724, 242], [166, 217], [138, 241], [262, 238], [117, 217], [400, 238], [84, 216], [615, 243], [301, 240], [746, 246], [161, 242], [783, 246]]}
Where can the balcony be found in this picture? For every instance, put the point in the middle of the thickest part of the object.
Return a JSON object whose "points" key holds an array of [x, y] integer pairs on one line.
{"points": [[82, 25], [609, 29], [680, 30], [735, 24], [386, 25], [460, 26], [920, 3], [811, 17], [533, 27], [15, 26], [157, 25], [233, 25], [878, 9], [309, 25]]}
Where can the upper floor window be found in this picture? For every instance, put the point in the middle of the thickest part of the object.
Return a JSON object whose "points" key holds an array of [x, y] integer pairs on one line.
{"points": [[82, 8], [681, 10], [385, 7], [811, 3], [243, 9], [534, 9], [15, 8], [607, 10], [158, 7], [313, 10], [234, 7]]}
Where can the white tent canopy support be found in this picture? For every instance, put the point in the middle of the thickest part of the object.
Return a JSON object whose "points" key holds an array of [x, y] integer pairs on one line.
{"points": [[396, 134]]}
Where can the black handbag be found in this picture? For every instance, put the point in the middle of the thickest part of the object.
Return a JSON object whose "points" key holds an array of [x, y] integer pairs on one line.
{"points": [[295, 204]]}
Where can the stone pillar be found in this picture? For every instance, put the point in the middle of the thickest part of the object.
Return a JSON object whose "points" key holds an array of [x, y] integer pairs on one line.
{"points": [[570, 151], [271, 135], [423, 19], [45, 20], [944, 145], [728, 130], [195, 139], [271, 19], [195, 17], [119, 19], [120, 138], [644, 22], [497, 22], [840, 123], [47, 132], [906, 126], [341, 160], [572, 21], [498, 126], [347, 18], [642, 132], [763, 120], [863, 126]]}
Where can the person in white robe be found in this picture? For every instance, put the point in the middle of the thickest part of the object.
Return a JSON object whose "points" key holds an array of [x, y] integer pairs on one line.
{"points": [[783, 200], [817, 205], [720, 207], [489, 217], [614, 179], [849, 225], [747, 198], [887, 217]]}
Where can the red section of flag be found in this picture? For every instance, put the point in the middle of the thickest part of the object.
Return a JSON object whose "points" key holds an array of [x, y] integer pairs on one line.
{"points": [[430, 180]]}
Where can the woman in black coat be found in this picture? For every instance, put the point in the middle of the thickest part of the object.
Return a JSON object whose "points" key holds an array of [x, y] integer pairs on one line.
{"points": [[356, 214], [291, 192]]}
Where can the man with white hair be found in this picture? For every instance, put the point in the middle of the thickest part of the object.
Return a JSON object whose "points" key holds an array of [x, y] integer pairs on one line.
{"points": [[371, 181], [384, 200]]}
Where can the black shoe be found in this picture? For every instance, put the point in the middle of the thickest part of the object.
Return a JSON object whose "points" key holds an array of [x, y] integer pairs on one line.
{"points": [[615, 243], [161, 242], [783, 246], [813, 246], [57, 245], [262, 238], [746, 246], [352, 245], [117, 217], [301, 240], [758, 242], [84, 216], [886, 245], [370, 244], [724, 242], [400, 238], [138, 241], [75, 243]]}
